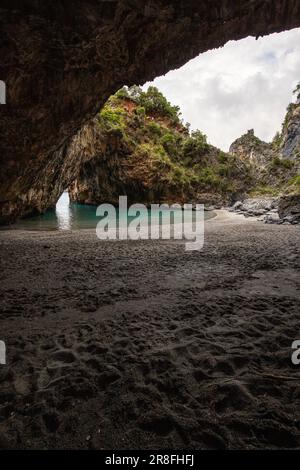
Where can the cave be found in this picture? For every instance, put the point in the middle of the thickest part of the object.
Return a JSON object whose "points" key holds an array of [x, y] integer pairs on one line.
{"points": [[61, 62], [117, 344]]}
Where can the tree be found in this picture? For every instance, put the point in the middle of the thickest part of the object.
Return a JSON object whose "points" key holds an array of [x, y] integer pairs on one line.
{"points": [[135, 93], [277, 140], [297, 91], [195, 146], [122, 93], [155, 102]]}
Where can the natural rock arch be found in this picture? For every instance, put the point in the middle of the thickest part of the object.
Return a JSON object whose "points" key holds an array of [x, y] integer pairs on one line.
{"points": [[61, 61]]}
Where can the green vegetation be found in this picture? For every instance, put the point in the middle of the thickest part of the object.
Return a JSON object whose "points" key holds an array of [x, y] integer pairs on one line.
{"points": [[295, 181], [112, 119], [290, 109], [122, 93], [155, 102], [163, 156], [282, 163], [277, 141], [297, 91], [293, 185], [264, 190], [140, 111], [170, 143], [223, 157], [194, 146], [152, 100], [154, 129]]}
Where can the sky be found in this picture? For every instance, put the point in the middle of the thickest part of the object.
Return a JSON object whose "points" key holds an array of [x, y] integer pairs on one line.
{"points": [[247, 84]]}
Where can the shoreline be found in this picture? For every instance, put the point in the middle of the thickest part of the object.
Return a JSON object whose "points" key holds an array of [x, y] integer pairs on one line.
{"points": [[221, 216]]}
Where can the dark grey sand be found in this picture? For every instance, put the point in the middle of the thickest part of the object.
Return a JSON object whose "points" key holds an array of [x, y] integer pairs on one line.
{"points": [[115, 345]]}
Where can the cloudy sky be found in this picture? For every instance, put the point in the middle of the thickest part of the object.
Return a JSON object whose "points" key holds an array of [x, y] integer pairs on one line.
{"points": [[246, 84]]}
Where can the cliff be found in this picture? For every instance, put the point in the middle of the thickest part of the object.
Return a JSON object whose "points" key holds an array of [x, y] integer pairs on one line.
{"points": [[252, 150], [275, 166], [138, 146], [290, 136]]}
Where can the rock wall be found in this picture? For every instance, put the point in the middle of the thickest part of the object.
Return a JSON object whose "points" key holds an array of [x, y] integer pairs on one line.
{"points": [[138, 147], [62, 60], [289, 208], [290, 147], [275, 164], [276, 171], [253, 150]]}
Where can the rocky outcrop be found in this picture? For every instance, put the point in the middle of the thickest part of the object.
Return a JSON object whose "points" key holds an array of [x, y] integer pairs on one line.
{"points": [[289, 208], [275, 169], [282, 210], [139, 148], [252, 150], [274, 166], [256, 206], [290, 137], [47, 182], [266, 208], [62, 60]]}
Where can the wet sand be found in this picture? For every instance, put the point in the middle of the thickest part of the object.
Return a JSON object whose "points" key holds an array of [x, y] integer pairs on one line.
{"points": [[116, 345]]}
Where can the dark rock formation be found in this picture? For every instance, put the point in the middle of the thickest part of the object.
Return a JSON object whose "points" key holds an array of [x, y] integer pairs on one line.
{"points": [[62, 60], [263, 207], [290, 146], [289, 208], [286, 144], [256, 206], [275, 166]]}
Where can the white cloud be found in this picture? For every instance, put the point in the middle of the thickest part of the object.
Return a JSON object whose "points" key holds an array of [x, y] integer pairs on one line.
{"points": [[246, 84]]}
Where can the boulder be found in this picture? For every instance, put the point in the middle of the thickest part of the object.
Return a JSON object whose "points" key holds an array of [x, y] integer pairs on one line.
{"points": [[271, 219], [289, 208], [256, 206], [237, 205]]}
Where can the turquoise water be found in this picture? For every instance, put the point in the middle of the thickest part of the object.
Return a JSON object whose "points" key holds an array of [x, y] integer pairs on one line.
{"points": [[70, 216]]}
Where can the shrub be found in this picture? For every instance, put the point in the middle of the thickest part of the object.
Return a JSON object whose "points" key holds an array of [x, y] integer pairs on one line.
{"points": [[222, 157], [289, 112], [112, 118], [134, 93], [155, 102], [194, 146], [208, 177], [297, 91], [155, 152], [154, 128], [122, 93], [264, 190], [224, 170], [180, 176], [282, 163], [293, 185], [169, 143], [276, 142], [140, 111]]}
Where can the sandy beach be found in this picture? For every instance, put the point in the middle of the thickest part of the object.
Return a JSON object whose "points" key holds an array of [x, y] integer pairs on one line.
{"points": [[140, 344]]}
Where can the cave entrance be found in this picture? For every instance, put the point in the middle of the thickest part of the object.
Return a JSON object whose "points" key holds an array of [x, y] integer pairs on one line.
{"points": [[63, 212], [222, 105], [187, 166]]}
